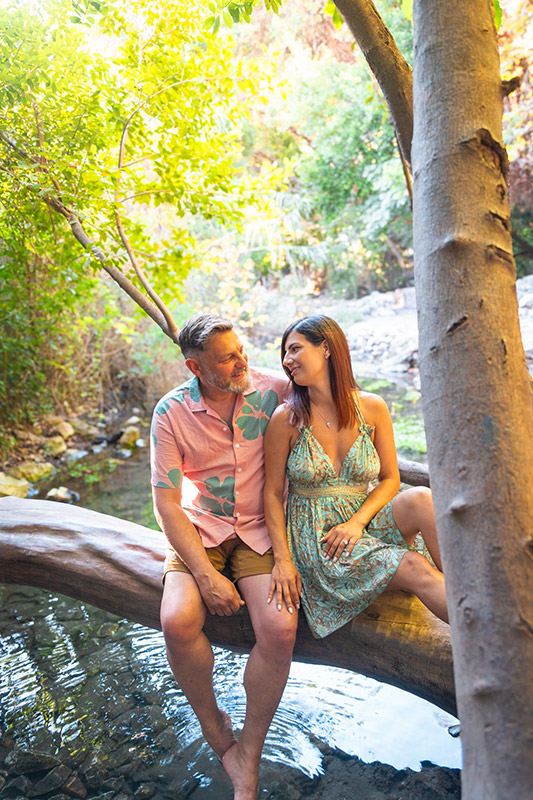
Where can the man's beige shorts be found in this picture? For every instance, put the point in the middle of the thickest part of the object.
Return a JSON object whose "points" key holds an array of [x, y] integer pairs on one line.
{"points": [[232, 556]]}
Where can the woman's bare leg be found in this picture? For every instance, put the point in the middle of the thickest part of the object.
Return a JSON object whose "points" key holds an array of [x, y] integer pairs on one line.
{"points": [[415, 574], [413, 513]]}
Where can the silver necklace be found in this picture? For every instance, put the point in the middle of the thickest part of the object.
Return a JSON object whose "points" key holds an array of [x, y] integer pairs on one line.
{"points": [[328, 424]]}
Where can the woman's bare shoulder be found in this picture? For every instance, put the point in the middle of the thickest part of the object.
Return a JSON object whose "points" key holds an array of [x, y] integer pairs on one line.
{"points": [[373, 407], [280, 418]]}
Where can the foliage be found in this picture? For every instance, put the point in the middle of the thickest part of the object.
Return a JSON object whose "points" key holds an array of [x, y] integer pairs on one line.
{"points": [[515, 36], [146, 125]]}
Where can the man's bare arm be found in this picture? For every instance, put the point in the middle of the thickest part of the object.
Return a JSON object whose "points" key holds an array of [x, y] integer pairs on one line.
{"points": [[218, 593]]}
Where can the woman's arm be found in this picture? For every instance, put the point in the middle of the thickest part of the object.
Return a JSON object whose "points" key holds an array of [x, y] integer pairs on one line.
{"points": [[279, 437], [377, 414]]}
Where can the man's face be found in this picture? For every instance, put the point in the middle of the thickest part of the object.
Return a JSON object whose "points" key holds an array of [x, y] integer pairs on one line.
{"points": [[224, 364]]}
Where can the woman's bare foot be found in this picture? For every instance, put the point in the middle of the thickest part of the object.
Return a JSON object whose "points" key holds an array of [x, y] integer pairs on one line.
{"points": [[243, 774], [220, 735]]}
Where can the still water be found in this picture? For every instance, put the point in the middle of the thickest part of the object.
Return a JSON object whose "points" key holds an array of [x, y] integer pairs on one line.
{"points": [[68, 672]]}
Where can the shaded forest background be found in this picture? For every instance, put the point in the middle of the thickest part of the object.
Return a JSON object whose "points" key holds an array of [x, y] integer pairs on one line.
{"points": [[240, 163]]}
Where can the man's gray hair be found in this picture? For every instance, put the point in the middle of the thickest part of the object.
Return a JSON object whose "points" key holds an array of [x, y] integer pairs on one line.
{"points": [[199, 330]]}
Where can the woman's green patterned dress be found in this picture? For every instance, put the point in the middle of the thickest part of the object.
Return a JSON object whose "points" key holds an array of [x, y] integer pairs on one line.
{"points": [[333, 593]]}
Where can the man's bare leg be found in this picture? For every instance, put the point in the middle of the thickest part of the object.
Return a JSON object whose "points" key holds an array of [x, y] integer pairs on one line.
{"points": [[265, 677], [191, 659]]}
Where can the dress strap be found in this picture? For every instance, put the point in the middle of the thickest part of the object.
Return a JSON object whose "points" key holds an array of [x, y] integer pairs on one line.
{"points": [[358, 411], [329, 491]]}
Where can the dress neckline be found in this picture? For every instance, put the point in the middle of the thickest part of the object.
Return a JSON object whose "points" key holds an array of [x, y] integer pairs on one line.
{"points": [[363, 428]]}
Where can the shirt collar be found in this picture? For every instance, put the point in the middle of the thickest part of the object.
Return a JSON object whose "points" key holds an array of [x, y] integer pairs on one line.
{"points": [[197, 402]]}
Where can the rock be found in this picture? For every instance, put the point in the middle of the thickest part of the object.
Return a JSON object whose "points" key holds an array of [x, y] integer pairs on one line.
{"points": [[33, 470], [151, 718], [84, 428], [133, 420], [64, 428], [29, 436], [74, 455], [145, 791], [63, 495], [74, 787], [123, 453], [17, 787], [13, 487], [130, 436], [26, 760], [54, 779], [55, 446]]}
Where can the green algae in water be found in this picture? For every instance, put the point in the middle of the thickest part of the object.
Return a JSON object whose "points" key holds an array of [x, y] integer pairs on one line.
{"points": [[409, 434]]}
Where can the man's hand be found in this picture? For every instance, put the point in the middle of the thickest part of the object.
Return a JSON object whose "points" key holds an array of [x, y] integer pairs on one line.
{"points": [[286, 585], [220, 595]]}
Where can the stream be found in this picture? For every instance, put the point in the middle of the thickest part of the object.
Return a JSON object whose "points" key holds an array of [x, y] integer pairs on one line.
{"points": [[95, 693]]}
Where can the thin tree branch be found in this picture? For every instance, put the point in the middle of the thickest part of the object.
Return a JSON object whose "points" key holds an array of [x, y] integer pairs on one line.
{"points": [[118, 276], [392, 71], [150, 308], [171, 325]]}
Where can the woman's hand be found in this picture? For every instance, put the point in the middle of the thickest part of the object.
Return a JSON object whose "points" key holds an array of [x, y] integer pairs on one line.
{"points": [[342, 538], [286, 585]]}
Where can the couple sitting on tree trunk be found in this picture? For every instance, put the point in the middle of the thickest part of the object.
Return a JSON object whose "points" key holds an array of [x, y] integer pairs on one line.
{"points": [[228, 438]]}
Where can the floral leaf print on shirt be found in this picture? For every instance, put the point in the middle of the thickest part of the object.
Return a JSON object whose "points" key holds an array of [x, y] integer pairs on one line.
{"points": [[192, 387], [174, 476], [256, 413], [222, 504]]}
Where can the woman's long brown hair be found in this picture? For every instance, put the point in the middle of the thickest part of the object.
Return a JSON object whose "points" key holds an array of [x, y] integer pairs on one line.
{"points": [[318, 329]]}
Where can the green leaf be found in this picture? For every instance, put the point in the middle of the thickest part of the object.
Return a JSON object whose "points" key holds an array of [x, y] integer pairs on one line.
{"points": [[497, 14], [332, 11], [407, 8]]}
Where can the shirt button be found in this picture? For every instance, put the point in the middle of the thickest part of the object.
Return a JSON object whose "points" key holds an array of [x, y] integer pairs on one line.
{"points": [[236, 445], [224, 428], [237, 492], [238, 514], [239, 469]]}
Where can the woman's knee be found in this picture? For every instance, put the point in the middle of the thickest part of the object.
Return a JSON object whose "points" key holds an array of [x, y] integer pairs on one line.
{"points": [[413, 507], [279, 632]]}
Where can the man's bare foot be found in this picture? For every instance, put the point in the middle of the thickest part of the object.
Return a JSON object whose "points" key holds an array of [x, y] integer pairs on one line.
{"points": [[220, 735], [243, 774]]}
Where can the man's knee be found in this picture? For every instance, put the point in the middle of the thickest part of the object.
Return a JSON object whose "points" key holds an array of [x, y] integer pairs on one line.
{"points": [[182, 610], [180, 626]]}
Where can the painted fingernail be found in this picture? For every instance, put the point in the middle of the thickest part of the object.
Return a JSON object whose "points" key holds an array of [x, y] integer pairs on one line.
{"points": [[290, 610], [269, 600], [279, 606]]}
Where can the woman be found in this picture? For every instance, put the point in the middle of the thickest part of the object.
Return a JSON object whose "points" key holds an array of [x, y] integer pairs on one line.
{"points": [[349, 535]]}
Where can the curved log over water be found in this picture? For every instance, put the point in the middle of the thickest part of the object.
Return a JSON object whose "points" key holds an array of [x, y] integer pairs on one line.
{"points": [[116, 565]]}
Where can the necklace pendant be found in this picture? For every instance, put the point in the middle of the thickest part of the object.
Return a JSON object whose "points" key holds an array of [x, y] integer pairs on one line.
{"points": [[328, 424]]}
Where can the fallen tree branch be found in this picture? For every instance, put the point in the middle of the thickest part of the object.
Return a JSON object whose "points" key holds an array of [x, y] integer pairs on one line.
{"points": [[116, 565]]}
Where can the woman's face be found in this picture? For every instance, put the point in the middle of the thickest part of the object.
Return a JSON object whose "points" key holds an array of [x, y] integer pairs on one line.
{"points": [[306, 362]]}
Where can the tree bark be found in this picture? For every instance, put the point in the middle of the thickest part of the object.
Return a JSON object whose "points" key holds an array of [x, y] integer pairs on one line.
{"points": [[476, 389], [116, 565], [390, 68]]}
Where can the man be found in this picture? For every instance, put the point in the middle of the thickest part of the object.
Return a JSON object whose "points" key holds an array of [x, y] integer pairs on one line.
{"points": [[210, 433]]}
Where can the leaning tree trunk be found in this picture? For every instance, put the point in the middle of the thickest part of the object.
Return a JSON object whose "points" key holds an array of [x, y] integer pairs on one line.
{"points": [[116, 565], [476, 390]]}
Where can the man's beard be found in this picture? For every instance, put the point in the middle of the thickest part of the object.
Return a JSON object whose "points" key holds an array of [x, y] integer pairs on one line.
{"points": [[229, 384]]}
